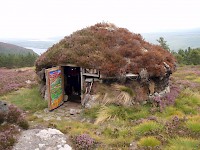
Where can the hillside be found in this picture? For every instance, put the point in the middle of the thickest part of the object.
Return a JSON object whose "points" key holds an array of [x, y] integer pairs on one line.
{"points": [[6, 48]]}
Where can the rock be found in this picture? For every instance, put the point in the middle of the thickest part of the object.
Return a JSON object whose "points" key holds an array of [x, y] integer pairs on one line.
{"points": [[66, 147], [58, 118], [42, 139], [3, 107], [72, 111], [45, 134], [41, 74], [144, 76], [91, 101], [28, 82], [41, 145], [133, 146], [65, 98]]}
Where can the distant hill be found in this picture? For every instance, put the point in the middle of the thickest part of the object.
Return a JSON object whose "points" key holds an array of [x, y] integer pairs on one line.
{"points": [[177, 39], [14, 49], [37, 45]]}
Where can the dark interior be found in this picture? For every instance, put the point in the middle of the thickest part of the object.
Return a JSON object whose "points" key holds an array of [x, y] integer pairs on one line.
{"points": [[72, 83]]}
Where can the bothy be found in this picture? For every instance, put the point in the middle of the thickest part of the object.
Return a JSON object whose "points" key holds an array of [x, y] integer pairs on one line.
{"points": [[104, 63]]}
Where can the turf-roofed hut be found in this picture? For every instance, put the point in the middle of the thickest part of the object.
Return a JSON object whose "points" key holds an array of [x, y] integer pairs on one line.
{"points": [[104, 64]]}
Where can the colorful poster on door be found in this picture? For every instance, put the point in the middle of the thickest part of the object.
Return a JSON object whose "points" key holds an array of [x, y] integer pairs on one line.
{"points": [[55, 88]]}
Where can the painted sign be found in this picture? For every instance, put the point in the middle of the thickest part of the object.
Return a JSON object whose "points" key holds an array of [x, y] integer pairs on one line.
{"points": [[55, 87]]}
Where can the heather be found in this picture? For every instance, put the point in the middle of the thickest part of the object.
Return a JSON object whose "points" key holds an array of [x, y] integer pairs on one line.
{"points": [[114, 51], [10, 125], [14, 79]]}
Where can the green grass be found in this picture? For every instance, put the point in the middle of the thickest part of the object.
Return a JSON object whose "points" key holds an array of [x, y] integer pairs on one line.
{"points": [[115, 112], [149, 141], [26, 99], [127, 90], [169, 112], [188, 102], [193, 123], [147, 126], [180, 143], [91, 112]]}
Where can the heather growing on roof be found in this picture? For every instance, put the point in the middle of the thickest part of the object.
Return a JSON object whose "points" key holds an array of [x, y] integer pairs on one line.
{"points": [[115, 51]]}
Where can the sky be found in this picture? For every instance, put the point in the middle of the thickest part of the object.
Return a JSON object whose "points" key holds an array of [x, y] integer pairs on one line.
{"points": [[42, 19]]}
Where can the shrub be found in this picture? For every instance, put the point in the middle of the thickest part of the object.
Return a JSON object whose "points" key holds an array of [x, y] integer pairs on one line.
{"points": [[168, 99], [175, 126], [14, 114], [23, 123], [7, 136], [84, 141], [149, 141]]}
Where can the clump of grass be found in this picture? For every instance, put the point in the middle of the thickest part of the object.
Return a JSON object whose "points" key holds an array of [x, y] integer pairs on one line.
{"points": [[149, 141], [170, 111], [27, 99], [74, 128], [120, 113], [193, 123], [91, 112], [146, 127], [125, 95], [125, 89], [182, 143]]}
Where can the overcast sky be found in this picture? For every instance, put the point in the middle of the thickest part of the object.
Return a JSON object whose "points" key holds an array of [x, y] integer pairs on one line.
{"points": [[48, 18]]}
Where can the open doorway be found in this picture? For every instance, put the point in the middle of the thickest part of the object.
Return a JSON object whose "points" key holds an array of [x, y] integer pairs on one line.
{"points": [[72, 83]]}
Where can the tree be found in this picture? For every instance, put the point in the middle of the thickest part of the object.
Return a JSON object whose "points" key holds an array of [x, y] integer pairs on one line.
{"points": [[163, 44]]}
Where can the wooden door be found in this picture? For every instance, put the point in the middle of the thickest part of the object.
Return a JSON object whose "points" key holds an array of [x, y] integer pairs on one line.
{"points": [[55, 87]]}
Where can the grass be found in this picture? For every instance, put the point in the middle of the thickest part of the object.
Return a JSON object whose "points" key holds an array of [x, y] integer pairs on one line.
{"points": [[180, 143], [146, 127], [188, 102], [115, 112], [169, 112], [26, 99], [149, 141], [193, 124]]}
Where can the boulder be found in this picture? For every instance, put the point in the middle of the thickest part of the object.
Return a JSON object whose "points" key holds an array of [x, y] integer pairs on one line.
{"points": [[3, 107]]}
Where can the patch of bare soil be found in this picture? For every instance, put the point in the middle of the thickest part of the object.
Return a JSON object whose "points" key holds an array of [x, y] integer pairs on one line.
{"points": [[67, 111]]}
